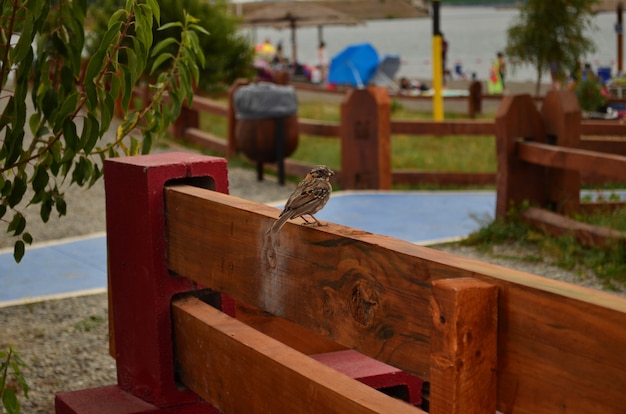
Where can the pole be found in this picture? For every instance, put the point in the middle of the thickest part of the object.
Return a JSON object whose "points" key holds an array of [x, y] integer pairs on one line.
{"points": [[619, 29], [437, 62]]}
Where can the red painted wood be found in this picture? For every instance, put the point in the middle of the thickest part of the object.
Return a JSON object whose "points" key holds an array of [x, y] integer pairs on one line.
{"points": [[112, 400], [140, 286], [372, 372]]}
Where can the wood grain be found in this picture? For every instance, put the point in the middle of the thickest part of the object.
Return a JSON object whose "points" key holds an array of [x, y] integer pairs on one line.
{"points": [[560, 346], [235, 359], [464, 347]]}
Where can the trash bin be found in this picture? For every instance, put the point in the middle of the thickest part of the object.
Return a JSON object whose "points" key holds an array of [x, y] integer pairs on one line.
{"points": [[267, 122]]}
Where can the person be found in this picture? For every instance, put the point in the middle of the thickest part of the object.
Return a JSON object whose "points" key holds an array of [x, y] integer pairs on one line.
{"points": [[497, 74], [278, 62], [322, 61]]}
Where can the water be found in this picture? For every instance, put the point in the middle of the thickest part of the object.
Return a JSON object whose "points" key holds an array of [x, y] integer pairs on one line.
{"points": [[474, 35]]}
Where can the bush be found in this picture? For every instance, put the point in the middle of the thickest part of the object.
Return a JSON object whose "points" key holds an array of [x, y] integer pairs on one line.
{"points": [[229, 54], [589, 95]]}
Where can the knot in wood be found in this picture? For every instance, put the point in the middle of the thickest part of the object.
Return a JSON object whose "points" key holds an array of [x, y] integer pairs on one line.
{"points": [[363, 303]]}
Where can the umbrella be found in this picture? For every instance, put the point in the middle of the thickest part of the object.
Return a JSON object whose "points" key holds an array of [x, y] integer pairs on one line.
{"points": [[355, 65], [295, 14], [386, 71]]}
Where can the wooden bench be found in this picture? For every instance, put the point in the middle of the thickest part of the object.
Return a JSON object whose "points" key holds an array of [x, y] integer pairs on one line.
{"points": [[208, 314]]}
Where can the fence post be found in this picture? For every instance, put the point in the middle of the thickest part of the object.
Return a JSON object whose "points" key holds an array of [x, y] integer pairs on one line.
{"points": [[464, 343], [475, 100], [561, 116], [141, 286], [188, 118], [516, 181], [365, 133]]}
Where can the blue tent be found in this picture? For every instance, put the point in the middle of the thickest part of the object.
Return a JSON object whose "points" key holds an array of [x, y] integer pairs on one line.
{"points": [[355, 65]]}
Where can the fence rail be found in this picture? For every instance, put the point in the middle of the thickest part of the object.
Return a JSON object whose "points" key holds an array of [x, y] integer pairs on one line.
{"points": [[602, 136]]}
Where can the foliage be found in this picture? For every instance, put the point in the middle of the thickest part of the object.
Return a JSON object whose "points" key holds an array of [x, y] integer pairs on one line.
{"points": [[549, 32], [58, 129], [11, 380], [228, 54], [607, 263], [589, 94]]}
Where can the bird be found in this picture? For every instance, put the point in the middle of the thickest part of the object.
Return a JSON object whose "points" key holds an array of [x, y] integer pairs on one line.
{"points": [[309, 197]]}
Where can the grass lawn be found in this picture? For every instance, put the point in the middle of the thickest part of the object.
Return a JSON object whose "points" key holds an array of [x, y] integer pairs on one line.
{"points": [[454, 153]]}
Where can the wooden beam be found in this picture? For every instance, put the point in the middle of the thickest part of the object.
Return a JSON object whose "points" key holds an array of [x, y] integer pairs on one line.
{"points": [[443, 128], [240, 370], [573, 159], [318, 128], [559, 345], [205, 140], [560, 225], [614, 145], [464, 346], [209, 106]]}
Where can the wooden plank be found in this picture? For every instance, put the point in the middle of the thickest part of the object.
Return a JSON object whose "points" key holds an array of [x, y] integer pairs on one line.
{"points": [[209, 106], [464, 347], [560, 225], [588, 127], [560, 345], [443, 128], [573, 159], [205, 140], [289, 333], [318, 128], [240, 370], [613, 145]]}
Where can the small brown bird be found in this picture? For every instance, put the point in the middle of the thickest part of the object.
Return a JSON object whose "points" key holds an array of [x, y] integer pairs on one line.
{"points": [[309, 197]]}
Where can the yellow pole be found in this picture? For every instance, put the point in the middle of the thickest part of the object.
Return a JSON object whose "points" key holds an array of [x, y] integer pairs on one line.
{"points": [[437, 79], [437, 65]]}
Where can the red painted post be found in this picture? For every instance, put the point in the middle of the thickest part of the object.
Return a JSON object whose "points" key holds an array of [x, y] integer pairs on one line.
{"points": [[140, 285]]}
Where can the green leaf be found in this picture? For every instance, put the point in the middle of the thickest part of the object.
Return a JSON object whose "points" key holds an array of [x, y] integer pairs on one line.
{"points": [[158, 61], [200, 29], [46, 208], [60, 204], [9, 400], [171, 25], [116, 19], [70, 135], [17, 192], [89, 135], [17, 225], [156, 11], [27, 238], [40, 179], [162, 45]]}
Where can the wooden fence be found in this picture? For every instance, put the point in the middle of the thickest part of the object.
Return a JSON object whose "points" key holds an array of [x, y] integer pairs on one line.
{"points": [[484, 337], [541, 159], [356, 170]]}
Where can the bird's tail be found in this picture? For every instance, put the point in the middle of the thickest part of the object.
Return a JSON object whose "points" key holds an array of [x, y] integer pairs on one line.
{"points": [[278, 224]]}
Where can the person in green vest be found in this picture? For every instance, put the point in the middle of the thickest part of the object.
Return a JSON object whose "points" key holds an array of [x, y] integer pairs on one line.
{"points": [[497, 73]]}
